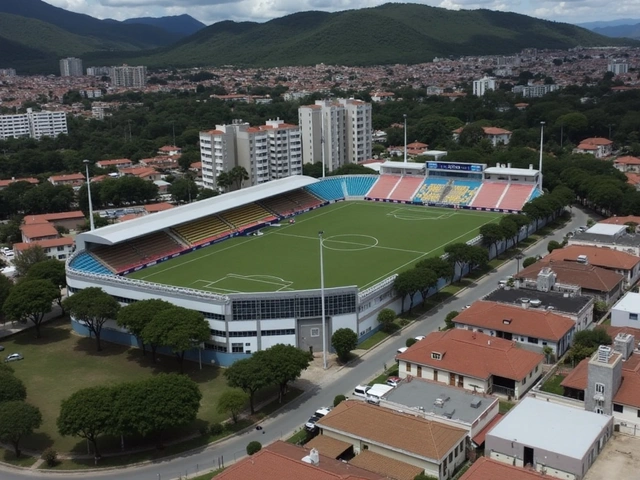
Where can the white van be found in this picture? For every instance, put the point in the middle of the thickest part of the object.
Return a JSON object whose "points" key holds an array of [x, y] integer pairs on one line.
{"points": [[375, 393], [361, 391]]}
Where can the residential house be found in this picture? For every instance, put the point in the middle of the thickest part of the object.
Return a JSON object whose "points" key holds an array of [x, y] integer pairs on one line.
{"points": [[69, 220], [170, 150], [5, 183], [627, 164], [629, 221], [55, 248], [625, 312], [553, 439], [116, 162], [533, 329], [434, 448], [284, 461], [474, 361], [161, 162], [609, 381], [74, 179], [617, 261], [497, 136], [157, 207], [37, 232], [379, 97], [146, 173], [572, 278], [487, 469], [416, 148], [612, 235], [578, 308], [596, 146]]}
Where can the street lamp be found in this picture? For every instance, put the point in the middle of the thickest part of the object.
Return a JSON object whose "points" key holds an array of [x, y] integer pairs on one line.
{"points": [[519, 256], [541, 146], [86, 165], [405, 137], [324, 330]]}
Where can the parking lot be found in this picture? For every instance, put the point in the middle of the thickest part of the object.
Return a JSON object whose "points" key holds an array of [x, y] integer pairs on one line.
{"points": [[620, 460]]}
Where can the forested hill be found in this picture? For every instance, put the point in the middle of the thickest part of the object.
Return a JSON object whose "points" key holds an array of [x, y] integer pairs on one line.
{"points": [[391, 33]]}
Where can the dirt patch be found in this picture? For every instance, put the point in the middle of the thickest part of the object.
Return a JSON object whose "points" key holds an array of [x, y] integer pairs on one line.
{"points": [[620, 460]]}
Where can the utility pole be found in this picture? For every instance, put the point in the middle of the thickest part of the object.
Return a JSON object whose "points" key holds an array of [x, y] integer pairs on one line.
{"points": [[323, 313]]}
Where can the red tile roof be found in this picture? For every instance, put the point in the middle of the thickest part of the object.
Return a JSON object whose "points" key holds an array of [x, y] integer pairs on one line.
{"points": [[577, 378], [596, 141], [488, 469], [6, 183], [38, 230], [535, 323], [52, 242], [632, 178], [386, 466], [52, 217], [627, 160], [117, 161], [598, 256], [158, 207], [473, 354], [622, 220], [74, 177], [495, 131], [397, 430], [572, 273]]}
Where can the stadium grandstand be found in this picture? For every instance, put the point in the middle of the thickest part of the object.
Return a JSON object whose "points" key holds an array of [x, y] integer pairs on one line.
{"points": [[252, 312]]}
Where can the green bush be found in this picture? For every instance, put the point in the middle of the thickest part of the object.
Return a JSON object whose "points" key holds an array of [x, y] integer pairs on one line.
{"points": [[216, 429], [50, 456], [253, 447], [410, 341], [448, 320], [529, 261], [338, 400]]}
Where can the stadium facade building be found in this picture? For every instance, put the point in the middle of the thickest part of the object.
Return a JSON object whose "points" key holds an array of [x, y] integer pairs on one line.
{"points": [[342, 128], [242, 323], [33, 124], [267, 152]]}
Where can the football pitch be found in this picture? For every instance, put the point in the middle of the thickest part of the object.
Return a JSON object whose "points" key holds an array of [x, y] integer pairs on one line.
{"points": [[364, 243]]}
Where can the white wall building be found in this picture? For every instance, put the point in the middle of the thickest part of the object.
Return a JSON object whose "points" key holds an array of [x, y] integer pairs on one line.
{"points": [[267, 152], [480, 87], [342, 128], [98, 71], [126, 76], [626, 313], [618, 67], [71, 67], [33, 124]]}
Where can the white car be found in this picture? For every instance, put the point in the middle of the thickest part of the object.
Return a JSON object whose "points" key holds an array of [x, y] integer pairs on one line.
{"points": [[466, 306], [420, 337], [14, 357], [402, 349]]}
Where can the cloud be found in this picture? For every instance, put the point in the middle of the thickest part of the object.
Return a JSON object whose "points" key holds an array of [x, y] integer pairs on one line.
{"points": [[210, 11]]}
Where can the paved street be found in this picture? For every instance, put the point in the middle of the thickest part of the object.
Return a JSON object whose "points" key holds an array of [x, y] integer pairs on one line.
{"points": [[295, 414]]}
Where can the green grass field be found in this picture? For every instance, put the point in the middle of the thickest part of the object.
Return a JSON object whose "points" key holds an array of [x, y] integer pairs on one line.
{"points": [[364, 243]]}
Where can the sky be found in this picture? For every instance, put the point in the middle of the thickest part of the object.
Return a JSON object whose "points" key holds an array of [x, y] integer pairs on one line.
{"points": [[211, 11]]}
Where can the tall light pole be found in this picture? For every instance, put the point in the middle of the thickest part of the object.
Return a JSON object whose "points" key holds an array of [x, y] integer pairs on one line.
{"points": [[324, 328], [541, 145], [86, 165], [322, 146], [405, 137]]}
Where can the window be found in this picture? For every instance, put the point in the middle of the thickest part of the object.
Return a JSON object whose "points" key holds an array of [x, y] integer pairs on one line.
{"points": [[450, 456], [618, 408], [436, 356], [315, 332], [537, 366], [408, 367], [600, 388], [638, 413], [524, 380], [237, 348], [532, 340], [633, 316]]}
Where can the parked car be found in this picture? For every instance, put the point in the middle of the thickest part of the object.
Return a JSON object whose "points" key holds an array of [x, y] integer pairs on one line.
{"points": [[402, 349], [466, 306], [1, 348], [310, 426], [14, 357], [393, 381], [420, 337]]}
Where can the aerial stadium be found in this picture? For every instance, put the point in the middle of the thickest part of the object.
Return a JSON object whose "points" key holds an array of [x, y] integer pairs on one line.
{"points": [[250, 260]]}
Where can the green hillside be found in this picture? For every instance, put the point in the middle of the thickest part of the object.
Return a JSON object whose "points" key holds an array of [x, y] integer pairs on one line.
{"points": [[391, 33]]}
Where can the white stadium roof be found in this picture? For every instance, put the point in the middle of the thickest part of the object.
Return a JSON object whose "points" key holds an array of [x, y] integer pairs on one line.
{"points": [[154, 222], [523, 172], [405, 165]]}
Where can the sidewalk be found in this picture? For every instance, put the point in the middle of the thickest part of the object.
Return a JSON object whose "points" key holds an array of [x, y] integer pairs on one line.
{"points": [[11, 328]]}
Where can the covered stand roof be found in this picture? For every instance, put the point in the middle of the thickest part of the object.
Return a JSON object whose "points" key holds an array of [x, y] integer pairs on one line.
{"points": [[522, 172], [120, 232]]}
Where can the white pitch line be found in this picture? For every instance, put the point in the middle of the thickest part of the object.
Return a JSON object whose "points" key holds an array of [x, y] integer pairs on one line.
{"points": [[349, 243], [418, 258]]}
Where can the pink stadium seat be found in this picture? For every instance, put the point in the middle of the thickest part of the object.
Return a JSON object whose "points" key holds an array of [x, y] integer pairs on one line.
{"points": [[489, 195], [384, 186], [406, 188], [516, 196]]}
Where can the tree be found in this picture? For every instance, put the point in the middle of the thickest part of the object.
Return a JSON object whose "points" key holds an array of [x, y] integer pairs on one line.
{"points": [[253, 447], [492, 235], [286, 363], [207, 193], [586, 342], [11, 388], [338, 399], [238, 175], [5, 289], [448, 320], [178, 328], [343, 341], [28, 257], [31, 300], [408, 283], [183, 190], [52, 270], [547, 351], [250, 376], [92, 306], [457, 255], [88, 413], [437, 265], [410, 341], [232, 402], [18, 419], [224, 180], [427, 279], [553, 245], [471, 135], [386, 316], [509, 229], [136, 316]]}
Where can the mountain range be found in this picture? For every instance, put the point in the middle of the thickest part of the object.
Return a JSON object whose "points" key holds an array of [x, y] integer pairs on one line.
{"points": [[34, 35], [627, 27]]}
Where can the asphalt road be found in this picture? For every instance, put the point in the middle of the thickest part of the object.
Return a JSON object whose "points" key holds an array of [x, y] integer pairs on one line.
{"points": [[295, 414]]}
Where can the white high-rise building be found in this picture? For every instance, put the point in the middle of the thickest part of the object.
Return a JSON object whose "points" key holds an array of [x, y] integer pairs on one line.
{"points": [[480, 87], [341, 128], [33, 124], [126, 76], [267, 152], [71, 67], [618, 67], [7, 72], [98, 71]]}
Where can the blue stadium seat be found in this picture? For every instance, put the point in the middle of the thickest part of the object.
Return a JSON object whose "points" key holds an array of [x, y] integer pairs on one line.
{"points": [[536, 193], [329, 189], [87, 263], [360, 185]]}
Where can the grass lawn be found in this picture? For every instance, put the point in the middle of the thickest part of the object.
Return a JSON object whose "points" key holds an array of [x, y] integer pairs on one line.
{"points": [[7, 456], [299, 436], [364, 243], [61, 363], [382, 378], [552, 385], [373, 340], [504, 406]]}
